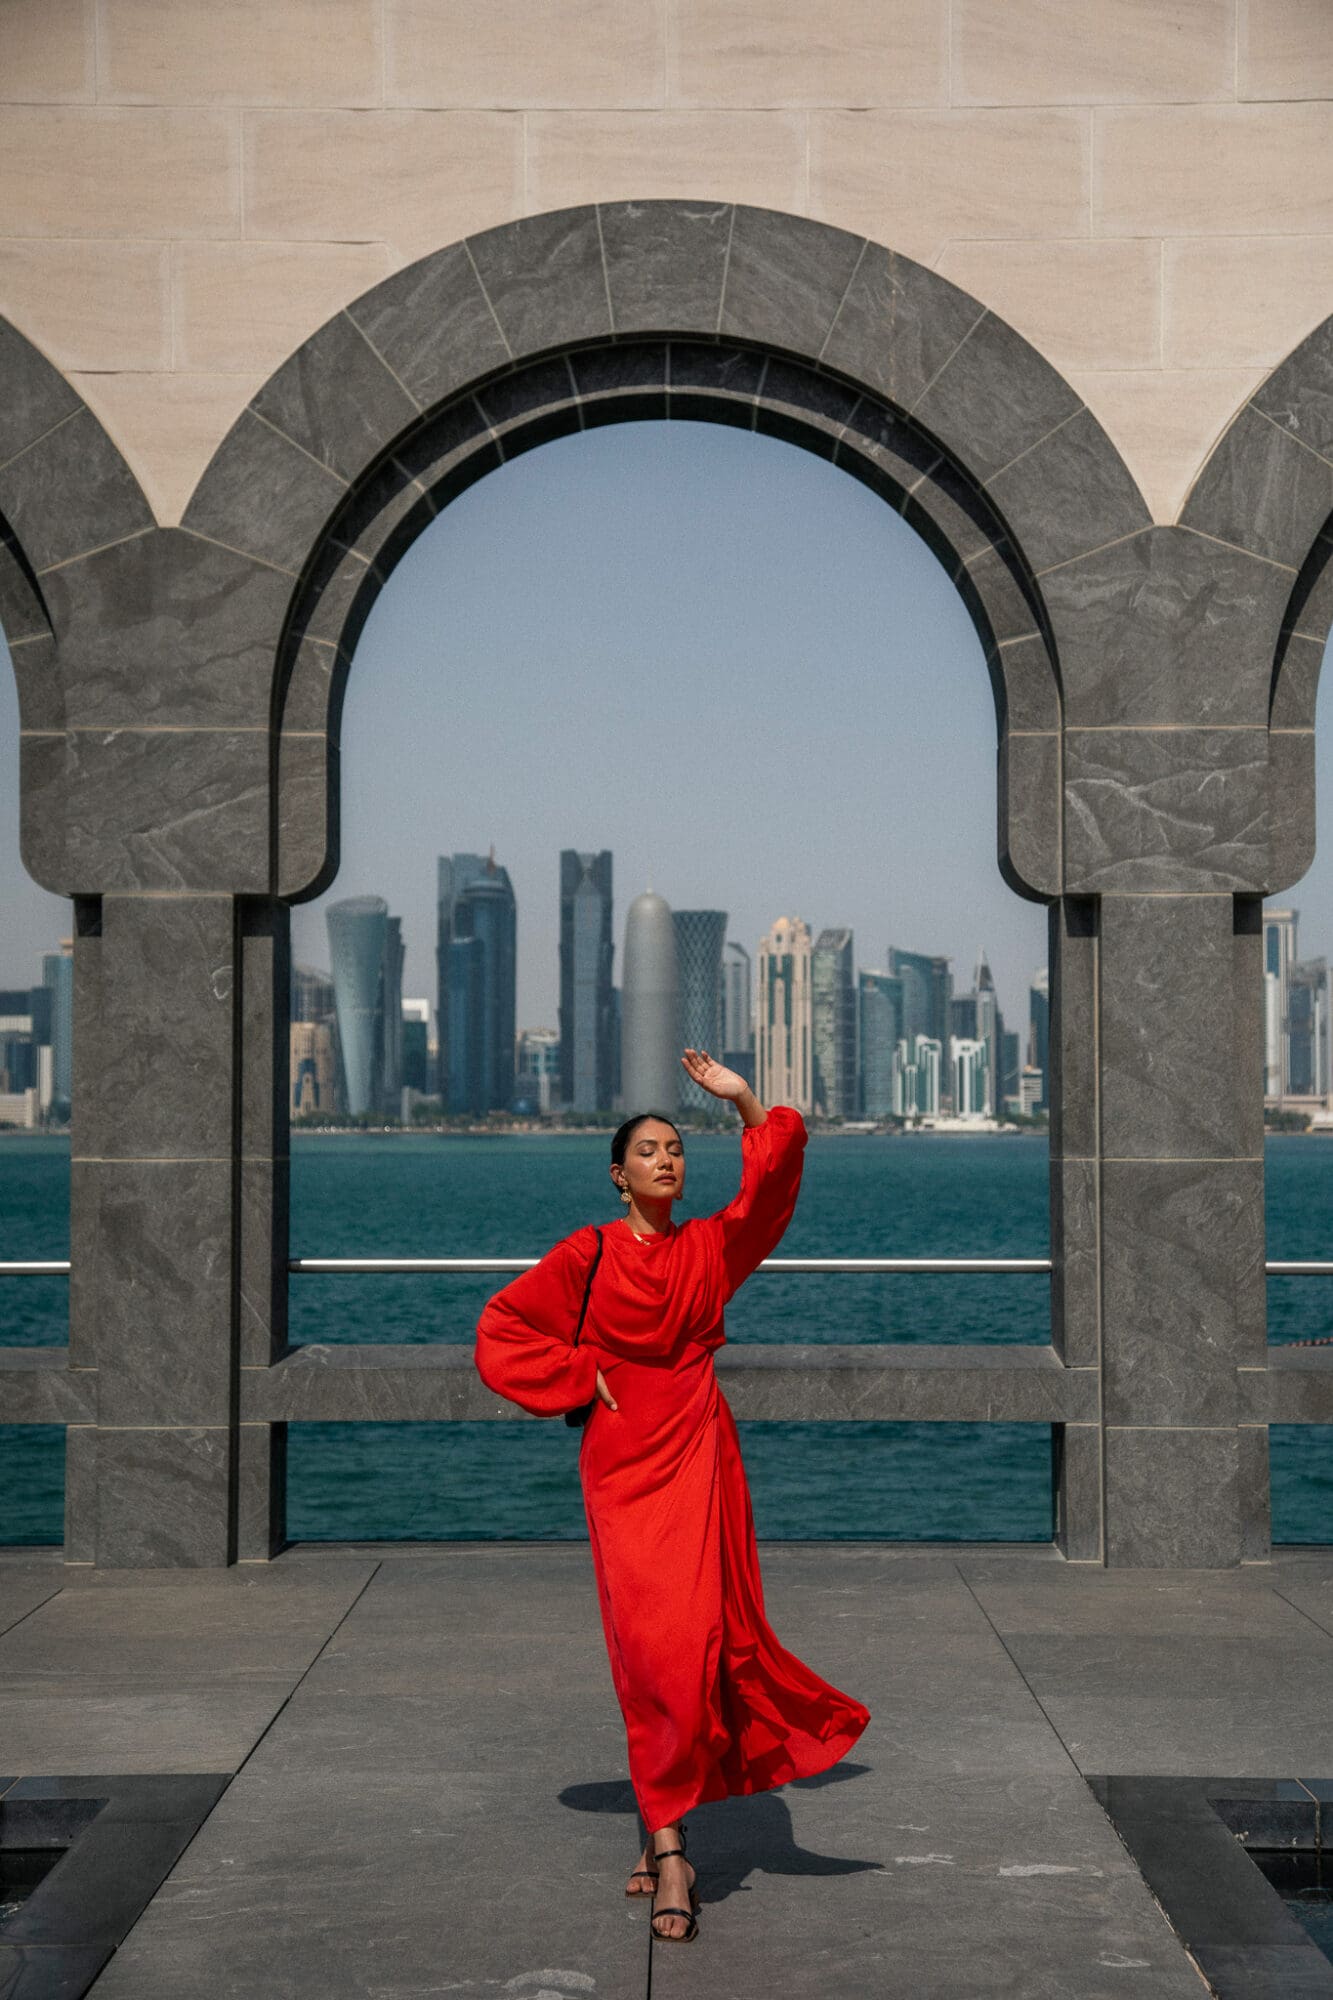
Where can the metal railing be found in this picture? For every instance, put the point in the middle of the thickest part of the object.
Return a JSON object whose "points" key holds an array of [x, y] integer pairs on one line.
{"points": [[329, 1266], [979, 1266]]}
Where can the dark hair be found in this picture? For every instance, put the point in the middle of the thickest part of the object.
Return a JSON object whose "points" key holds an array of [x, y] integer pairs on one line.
{"points": [[620, 1144]]}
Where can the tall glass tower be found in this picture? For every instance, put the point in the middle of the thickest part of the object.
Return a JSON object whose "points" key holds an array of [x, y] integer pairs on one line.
{"points": [[357, 931], [58, 978], [737, 1002], [927, 989], [453, 873], [1279, 957], [1039, 1033], [483, 963], [880, 1008], [391, 1017], [833, 1024], [587, 1010], [990, 1030], [700, 936]]}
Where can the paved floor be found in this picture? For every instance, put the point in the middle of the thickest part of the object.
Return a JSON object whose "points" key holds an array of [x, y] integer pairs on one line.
{"points": [[430, 1790]]}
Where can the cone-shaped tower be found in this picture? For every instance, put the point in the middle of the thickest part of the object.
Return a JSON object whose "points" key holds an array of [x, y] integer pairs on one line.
{"points": [[650, 1009]]}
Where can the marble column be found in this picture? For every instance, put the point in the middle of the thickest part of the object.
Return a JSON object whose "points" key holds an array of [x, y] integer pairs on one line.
{"points": [[154, 1168]]}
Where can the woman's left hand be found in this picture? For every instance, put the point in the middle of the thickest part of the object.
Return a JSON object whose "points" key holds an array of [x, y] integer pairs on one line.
{"points": [[712, 1077]]}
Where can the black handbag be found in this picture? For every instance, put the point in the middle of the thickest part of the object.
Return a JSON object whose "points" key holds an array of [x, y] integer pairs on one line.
{"points": [[584, 1410]]}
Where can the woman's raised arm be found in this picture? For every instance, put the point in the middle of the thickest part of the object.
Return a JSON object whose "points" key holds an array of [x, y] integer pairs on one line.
{"points": [[753, 1222]]}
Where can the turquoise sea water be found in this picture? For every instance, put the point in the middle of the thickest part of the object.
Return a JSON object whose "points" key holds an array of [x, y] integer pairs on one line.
{"points": [[861, 1196]]}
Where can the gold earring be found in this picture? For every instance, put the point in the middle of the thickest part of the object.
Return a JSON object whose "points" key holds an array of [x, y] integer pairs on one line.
{"points": [[625, 1195]]}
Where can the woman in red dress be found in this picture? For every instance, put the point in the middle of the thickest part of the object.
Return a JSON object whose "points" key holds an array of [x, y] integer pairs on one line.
{"points": [[713, 1704]]}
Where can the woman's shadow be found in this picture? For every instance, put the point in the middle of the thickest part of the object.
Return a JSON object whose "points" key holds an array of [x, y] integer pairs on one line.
{"points": [[731, 1839]]}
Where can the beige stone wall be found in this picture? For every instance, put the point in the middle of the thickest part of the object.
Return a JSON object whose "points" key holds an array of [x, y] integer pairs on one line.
{"points": [[1143, 187]]}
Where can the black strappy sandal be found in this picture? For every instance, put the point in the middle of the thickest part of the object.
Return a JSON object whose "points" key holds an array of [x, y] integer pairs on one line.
{"points": [[686, 1936]]}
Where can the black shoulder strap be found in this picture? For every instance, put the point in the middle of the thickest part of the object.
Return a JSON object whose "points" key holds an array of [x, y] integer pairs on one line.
{"points": [[587, 1289]]}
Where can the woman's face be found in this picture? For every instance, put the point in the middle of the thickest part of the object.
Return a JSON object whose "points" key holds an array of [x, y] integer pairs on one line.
{"points": [[654, 1163]]}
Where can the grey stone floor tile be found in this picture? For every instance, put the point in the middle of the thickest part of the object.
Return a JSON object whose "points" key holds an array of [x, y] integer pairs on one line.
{"points": [[1097, 1602], [22, 1590], [1263, 1731], [113, 1627], [476, 1673], [446, 1614], [270, 1817], [1298, 1665], [1310, 1595], [124, 1730], [956, 1730], [575, 1738], [958, 1887], [436, 1894]]}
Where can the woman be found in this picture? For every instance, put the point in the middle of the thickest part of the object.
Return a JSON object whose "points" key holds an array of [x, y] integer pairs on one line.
{"points": [[713, 1705]]}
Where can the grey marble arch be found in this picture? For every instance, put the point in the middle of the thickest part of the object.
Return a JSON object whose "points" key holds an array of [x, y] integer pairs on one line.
{"points": [[182, 691]]}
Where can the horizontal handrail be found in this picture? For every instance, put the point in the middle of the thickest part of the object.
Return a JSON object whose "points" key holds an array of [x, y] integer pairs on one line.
{"points": [[332, 1265], [984, 1266]]}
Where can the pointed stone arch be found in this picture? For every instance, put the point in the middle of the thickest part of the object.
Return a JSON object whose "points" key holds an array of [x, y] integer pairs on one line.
{"points": [[725, 313]]}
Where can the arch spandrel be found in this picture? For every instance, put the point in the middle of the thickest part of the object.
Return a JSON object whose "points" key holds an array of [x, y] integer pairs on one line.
{"points": [[1267, 489], [65, 491]]}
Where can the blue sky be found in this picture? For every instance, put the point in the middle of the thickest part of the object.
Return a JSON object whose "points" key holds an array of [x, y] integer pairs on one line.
{"points": [[709, 651]]}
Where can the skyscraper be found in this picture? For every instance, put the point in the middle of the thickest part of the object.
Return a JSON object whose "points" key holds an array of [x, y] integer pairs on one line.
{"points": [[1011, 1067], [357, 930], [833, 1025], [989, 1030], [312, 994], [313, 1069], [453, 874], [315, 1054], [880, 1014], [416, 1046], [916, 1077], [482, 992], [737, 1005], [783, 1057], [538, 1071], [27, 1066], [927, 987], [587, 1010], [738, 1011], [1039, 1033], [971, 1078], [58, 978], [1279, 957], [1309, 1030], [700, 936], [391, 1017], [650, 1009], [963, 1016]]}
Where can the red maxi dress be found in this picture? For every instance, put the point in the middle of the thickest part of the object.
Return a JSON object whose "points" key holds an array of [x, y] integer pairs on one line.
{"points": [[713, 1704]]}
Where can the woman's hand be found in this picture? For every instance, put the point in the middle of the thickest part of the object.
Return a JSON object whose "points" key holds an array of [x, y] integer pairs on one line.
{"points": [[712, 1077], [724, 1083], [604, 1392]]}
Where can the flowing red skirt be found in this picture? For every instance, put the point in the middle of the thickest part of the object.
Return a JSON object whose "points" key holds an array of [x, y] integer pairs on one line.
{"points": [[714, 1706]]}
